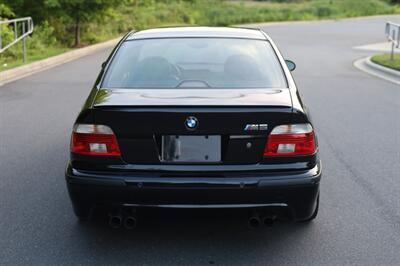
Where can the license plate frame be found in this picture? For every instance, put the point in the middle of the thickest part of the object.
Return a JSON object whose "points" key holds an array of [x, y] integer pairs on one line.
{"points": [[191, 148]]}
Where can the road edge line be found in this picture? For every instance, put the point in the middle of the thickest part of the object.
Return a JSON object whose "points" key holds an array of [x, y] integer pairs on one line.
{"points": [[50, 62], [369, 67]]}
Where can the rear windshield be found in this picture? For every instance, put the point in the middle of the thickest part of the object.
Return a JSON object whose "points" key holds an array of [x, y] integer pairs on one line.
{"points": [[195, 62]]}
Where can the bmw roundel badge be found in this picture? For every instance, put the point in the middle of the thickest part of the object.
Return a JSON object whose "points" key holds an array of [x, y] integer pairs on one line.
{"points": [[191, 123]]}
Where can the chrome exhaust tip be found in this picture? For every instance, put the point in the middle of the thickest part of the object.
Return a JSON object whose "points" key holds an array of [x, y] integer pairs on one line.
{"points": [[269, 220], [115, 219], [130, 222], [254, 222]]}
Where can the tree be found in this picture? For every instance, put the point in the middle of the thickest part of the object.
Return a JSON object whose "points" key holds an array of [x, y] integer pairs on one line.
{"points": [[80, 11], [28, 8], [5, 12]]}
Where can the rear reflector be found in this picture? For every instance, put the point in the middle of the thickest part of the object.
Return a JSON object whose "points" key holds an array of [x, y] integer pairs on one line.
{"points": [[291, 140], [90, 139]]}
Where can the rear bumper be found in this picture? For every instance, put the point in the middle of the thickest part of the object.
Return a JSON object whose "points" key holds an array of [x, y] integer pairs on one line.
{"points": [[296, 192]]}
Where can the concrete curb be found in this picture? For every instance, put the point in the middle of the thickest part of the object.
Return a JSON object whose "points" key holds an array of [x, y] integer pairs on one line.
{"points": [[41, 65], [366, 65]]}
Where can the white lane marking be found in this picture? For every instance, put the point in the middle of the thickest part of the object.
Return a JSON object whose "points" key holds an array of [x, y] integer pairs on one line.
{"points": [[384, 47]]}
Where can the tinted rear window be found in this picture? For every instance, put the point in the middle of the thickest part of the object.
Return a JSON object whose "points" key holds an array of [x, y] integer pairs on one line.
{"points": [[195, 62]]}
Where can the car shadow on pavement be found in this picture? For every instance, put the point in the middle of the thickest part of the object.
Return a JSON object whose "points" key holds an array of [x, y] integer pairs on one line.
{"points": [[207, 237]]}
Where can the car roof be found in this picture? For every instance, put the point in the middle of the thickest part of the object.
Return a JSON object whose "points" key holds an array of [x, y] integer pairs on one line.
{"points": [[181, 32]]}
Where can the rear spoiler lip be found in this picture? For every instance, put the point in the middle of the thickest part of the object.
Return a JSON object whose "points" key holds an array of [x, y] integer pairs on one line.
{"points": [[197, 108], [194, 98]]}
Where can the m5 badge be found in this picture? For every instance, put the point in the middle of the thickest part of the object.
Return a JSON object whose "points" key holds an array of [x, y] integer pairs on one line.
{"points": [[256, 127]]}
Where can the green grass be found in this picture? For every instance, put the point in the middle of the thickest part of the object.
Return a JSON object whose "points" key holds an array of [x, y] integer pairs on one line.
{"points": [[385, 60], [256, 11], [8, 63], [223, 13]]}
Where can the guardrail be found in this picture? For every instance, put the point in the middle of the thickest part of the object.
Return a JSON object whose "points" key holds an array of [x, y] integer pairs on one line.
{"points": [[393, 35], [21, 27]]}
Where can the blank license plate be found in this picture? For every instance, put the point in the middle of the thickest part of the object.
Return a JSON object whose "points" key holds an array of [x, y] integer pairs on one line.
{"points": [[194, 149]]}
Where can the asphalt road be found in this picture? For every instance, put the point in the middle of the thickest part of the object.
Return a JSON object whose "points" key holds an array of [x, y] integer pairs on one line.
{"points": [[358, 121]]}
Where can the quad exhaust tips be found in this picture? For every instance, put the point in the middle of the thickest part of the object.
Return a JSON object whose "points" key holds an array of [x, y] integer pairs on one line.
{"points": [[128, 219], [255, 220], [118, 218]]}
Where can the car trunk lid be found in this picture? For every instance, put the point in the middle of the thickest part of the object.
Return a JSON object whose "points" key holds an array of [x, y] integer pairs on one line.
{"points": [[142, 119]]}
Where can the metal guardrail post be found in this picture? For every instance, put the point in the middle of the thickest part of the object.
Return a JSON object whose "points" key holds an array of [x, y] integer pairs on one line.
{"points": [[15, 30], [23, 43], [27, 28], [392, 31]]}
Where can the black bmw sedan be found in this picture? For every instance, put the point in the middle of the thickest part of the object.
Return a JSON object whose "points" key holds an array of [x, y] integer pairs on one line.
{"points": [[195, 117]]}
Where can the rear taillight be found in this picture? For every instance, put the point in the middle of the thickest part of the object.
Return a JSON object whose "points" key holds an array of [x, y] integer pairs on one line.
{"points": [[291, 140], [90, 139]]}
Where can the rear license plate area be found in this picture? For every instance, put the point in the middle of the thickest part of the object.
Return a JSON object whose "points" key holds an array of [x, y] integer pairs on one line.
{"points": [[190, 149]]}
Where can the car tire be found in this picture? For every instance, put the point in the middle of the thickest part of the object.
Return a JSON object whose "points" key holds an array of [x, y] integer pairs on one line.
{"points": [[314, 215]]}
